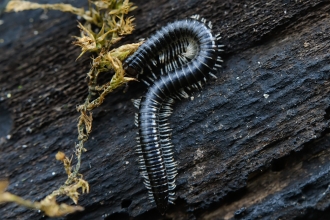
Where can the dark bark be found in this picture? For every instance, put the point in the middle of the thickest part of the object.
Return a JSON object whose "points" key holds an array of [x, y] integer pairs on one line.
{"points": [[252, 144]]}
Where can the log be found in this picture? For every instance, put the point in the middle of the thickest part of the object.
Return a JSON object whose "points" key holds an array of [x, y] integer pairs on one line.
{"points": [[253, 144]]}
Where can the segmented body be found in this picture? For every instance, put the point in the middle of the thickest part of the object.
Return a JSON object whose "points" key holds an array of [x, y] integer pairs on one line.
{"points": [[174, 61]]}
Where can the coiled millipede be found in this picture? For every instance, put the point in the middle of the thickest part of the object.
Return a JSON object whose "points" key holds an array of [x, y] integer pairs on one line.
{"points": [[173, 62]]}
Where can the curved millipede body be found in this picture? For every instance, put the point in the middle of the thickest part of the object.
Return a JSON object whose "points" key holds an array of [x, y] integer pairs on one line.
{"points": [[173, 62]]}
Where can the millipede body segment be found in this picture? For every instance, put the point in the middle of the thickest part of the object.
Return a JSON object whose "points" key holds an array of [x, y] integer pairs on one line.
{"points": [[173, 62]]}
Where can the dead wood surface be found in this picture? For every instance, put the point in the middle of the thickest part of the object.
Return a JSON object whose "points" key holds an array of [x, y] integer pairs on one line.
{"points": [[253, 144]]}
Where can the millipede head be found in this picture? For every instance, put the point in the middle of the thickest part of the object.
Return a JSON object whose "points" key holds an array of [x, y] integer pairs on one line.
{"points": [[130, 70]]}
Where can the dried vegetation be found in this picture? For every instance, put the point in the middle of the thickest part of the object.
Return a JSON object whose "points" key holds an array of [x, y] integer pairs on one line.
{"points": [[105, 24]]}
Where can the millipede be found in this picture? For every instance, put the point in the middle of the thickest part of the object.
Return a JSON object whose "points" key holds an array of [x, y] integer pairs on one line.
{"points": [[173, 62]]}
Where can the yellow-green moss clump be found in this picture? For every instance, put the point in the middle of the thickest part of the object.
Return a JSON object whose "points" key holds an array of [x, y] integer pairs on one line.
{"points": [[110, 18]]}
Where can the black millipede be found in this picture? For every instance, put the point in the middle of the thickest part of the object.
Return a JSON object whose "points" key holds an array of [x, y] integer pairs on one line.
{"points": [[172, 62]]}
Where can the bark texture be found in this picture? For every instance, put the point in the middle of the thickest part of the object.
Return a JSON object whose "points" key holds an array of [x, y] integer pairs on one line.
{"points": [[253, 144]]}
